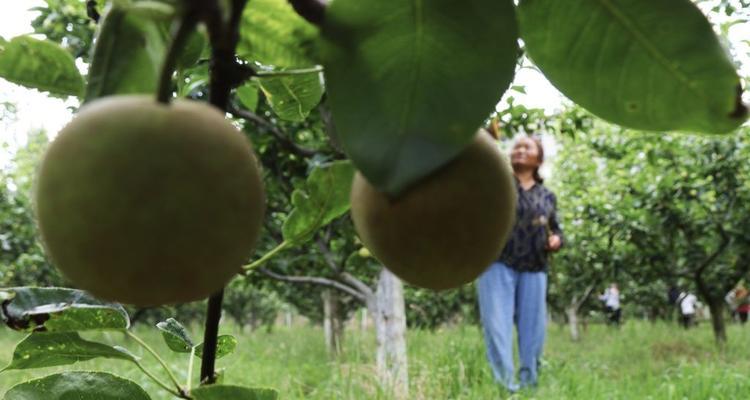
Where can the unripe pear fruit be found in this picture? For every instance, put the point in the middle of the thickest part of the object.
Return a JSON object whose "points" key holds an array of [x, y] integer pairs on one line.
{"points": [[448, 228], [364, 252], [149, 204]]}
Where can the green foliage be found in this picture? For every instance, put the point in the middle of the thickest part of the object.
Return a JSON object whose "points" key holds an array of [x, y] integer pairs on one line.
{"points": [[324, 197], [648, 213], [66, 22], [175, 336], [641, 360], [178, 340], [409, 83], [427, 309], [222, 392], [128, 53], [78, 385], [225, 345], [59, 314], [59, 310], [40, 64], [247, 95], [642, 64], [292, 97], [39, 350], [22, 259], [406, 96], [251, 305], [195, 47], [273, 34]]}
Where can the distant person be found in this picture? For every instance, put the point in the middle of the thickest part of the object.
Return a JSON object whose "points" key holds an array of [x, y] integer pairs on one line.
{"points": [[513, 289], [742, 300], [687, 302], [611, 299], [731, 300]]}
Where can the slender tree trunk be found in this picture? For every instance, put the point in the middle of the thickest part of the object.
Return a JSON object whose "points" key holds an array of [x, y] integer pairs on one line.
{"points": [[390, 327], [332, 324], [716, 307], [253, 321], [363, 323], [288, 318], [572, 313], [717, 321]]}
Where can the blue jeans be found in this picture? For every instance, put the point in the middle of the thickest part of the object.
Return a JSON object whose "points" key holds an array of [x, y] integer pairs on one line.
{"points": [[507, 296]]}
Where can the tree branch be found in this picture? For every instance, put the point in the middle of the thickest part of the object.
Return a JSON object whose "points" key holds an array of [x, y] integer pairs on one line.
{"points": [[725, 240], [315, 280], [180, 33], [345, 276], [277, 133], [328, 255], [585, 296], [361, 286], [91, 10], [225, 73], [311, 10], [211, 338]]}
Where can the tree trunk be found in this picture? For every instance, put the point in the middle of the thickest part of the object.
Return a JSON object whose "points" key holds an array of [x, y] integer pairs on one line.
{"points": [[254, 322], [332, 324], [572, 313], [390, 327], [716, 307], [288, 318], [363, 323], [717, 321]]}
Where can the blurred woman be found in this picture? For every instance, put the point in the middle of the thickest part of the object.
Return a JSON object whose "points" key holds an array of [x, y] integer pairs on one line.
{"points": [[513, 289]]}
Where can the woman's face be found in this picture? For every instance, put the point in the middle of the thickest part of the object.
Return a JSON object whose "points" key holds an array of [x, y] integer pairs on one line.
{"points": [[525, 154]]}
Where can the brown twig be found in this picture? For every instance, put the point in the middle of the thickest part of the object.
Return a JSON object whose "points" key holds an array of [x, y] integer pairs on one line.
{"points": [[275, 131]]}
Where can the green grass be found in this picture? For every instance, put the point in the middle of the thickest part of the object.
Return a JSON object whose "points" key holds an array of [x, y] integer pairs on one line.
{"points": [[639, 361]]}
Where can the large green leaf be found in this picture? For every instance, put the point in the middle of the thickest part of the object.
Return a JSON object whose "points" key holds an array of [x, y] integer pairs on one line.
{"points": [[292, 97], [175, 336], [40, 64], [410, 82], [272, 33], [224, 392], [193, 49], [247, 94], [128, 54], [652, 65], [225, 345], [39, 350], [79, 386], [59, 310], [324, 197]]}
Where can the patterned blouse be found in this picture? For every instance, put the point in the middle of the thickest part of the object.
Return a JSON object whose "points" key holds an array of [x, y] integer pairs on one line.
{"points": [[536, 217]]}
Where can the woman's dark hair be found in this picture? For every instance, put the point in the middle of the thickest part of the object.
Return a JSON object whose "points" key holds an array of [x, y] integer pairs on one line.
{"points": [[538, 142]]}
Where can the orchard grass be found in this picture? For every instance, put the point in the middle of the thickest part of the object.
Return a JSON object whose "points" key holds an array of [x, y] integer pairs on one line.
{"points": [[639, 361]]}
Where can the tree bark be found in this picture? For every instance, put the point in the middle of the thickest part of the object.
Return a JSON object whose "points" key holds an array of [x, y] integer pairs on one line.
{"points": [[288, 318], [390, 327], [363, 322], [332, 323], [572, 313], [716, 307], [717, 321]]}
